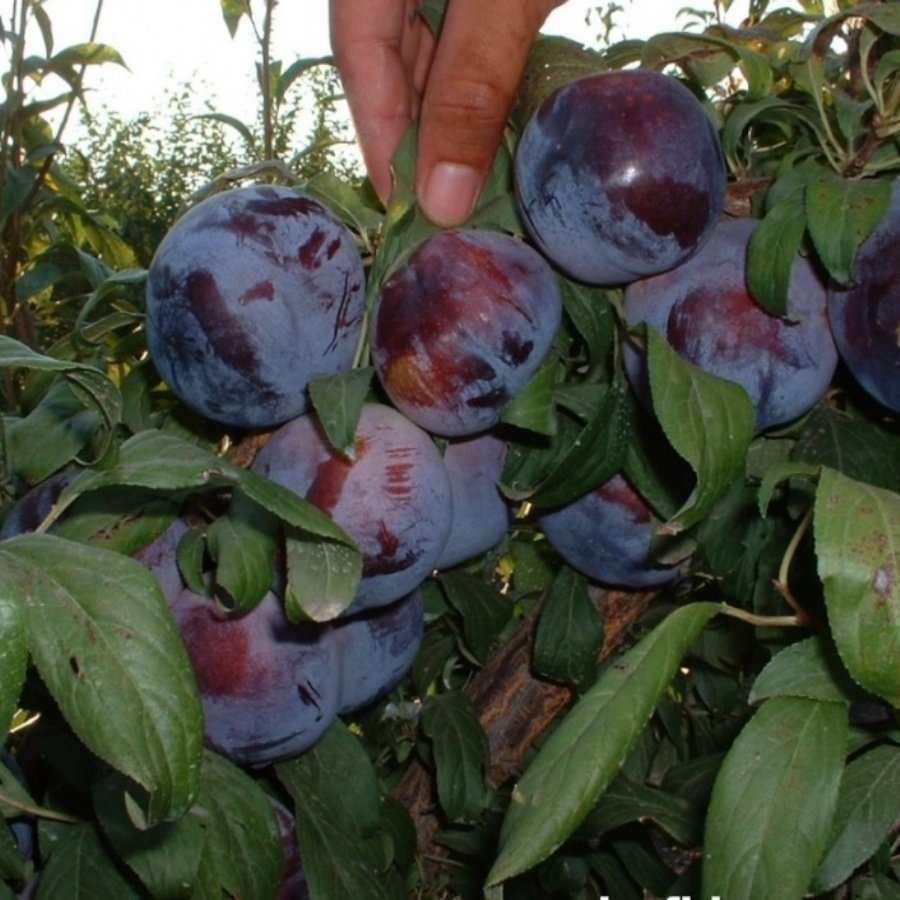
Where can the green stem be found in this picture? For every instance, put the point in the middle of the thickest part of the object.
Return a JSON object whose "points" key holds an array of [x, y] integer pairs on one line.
{"points": [[758, 621]]}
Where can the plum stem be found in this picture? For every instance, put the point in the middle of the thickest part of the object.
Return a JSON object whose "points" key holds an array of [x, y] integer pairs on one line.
{"points": [[31, 809], [759, 621], [781, 583]]}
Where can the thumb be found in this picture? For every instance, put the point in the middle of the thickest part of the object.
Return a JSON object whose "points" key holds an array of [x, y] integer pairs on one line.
{"points": [[477, 67]]}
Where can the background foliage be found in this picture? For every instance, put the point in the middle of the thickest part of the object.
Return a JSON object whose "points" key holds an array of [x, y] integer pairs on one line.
{"points": [[735, 734]]}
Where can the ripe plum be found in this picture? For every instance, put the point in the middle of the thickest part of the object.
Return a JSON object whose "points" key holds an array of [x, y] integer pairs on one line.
{"points": [[269, 688], [620, 175], [704, 310], [393, 498], [607, 534], [865, 317], [461, 325], [251, 294]]}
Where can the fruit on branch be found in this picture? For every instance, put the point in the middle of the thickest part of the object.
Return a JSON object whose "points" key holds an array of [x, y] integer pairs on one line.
{"points": [[393, 497], [607, 534], [269, 688], [481, 514], [377, 648], [865, 316], [705, 312], [461, 325], [251, 294], [620, 175], [293, 884]]}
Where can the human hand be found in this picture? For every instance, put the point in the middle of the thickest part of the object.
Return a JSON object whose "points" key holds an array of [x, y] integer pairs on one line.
{"points": [[459, 88]]}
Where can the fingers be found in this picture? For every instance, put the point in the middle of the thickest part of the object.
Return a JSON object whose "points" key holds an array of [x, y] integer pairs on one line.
{"points": [[376, 45], [471, 86]]}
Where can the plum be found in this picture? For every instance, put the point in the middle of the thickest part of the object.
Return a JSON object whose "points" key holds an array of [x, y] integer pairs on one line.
{"points": [[160, 556], [293, 884], [865, 317], [269, 688], [251, 294], [704, 310], [461, 325], [607, 535], [620, 175], [33, 507], [481, 514], [393, 498], [377, 648]]}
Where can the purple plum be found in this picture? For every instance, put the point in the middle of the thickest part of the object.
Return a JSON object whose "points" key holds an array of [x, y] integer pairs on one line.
{"points": [[705, 312], [269, 688], [461, 325], [377, 648], [393, 498], [620, 175], [607, 535], [865, 317], [481, 514], [251, 294]]}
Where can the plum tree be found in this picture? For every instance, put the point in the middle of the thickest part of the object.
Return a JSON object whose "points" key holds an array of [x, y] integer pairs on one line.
{"points": [[376, 649], [703, 308], [393, 497], [481, 514], [270, 688], [607, 534], [865, 316], [461, 325], [620, 175], [251, 294]]}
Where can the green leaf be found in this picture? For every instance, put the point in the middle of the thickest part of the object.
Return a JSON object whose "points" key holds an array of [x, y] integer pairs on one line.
{"points": [[867, 808], [625, 802], [81, 867], [595, 454], [337, 810], [593, 315], [857, 534], [484, 611], [774, 800], [460, 754], [583, 755], [569, 634], [841, 213], [13, 650], [708, 421], [165, 857], [86, 54], [53, 434], [164, 462], [772, 253], [243, 542], [338, 400], [89, 383], [232, 12], [322, 577], [810, 669], [102, 638], [857, 448], [533, 408], [242, 852]]}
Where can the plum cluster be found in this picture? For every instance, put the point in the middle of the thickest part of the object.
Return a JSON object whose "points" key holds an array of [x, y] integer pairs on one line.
{"points": [[620, 180]]}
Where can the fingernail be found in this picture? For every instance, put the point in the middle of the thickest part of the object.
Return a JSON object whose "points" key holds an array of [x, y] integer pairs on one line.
{"points": [[450, 193]]}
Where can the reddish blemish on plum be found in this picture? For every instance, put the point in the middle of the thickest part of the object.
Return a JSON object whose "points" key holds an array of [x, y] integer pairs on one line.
{"points": [[219, 653], [264, 290]]}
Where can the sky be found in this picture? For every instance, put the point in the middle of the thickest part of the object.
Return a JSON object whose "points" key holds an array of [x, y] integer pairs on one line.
{"points": [[169, 42]]}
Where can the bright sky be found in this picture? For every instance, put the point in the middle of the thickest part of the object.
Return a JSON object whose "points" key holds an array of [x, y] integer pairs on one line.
{"points": [[169, 42]]}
